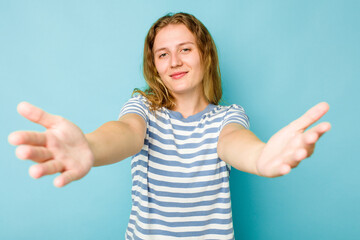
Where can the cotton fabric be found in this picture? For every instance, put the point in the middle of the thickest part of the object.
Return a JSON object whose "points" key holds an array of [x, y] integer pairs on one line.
{"points": [[180, 187]]}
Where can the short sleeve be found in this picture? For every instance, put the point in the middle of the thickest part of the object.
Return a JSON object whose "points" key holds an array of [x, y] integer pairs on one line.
{"points": [[135, 105], [235, 114]]}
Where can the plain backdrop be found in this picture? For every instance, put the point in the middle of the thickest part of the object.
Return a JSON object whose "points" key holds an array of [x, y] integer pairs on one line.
{"points": [[81, 59]]}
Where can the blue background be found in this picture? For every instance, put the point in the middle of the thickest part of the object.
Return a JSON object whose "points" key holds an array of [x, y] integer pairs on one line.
{"points": [[82, 59]]}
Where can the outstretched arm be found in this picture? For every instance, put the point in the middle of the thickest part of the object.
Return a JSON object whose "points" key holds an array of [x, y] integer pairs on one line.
{"points": [[285, 150], [63, 148]]}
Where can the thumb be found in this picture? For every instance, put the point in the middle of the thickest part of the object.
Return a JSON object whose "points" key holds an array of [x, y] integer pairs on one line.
{"points": [[37, 115], [65, 178]]}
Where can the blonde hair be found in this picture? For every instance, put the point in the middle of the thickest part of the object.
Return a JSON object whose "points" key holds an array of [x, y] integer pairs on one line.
{"points": [[157, 93]]}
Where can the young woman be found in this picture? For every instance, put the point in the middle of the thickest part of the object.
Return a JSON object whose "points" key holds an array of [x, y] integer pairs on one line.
{"points": [[182, 141]]}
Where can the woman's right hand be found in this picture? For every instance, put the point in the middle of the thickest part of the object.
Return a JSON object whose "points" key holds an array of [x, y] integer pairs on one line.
{"points": [[62, 148]]}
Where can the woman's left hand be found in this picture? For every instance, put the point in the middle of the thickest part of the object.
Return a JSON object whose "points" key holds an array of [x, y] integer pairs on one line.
{"points": [[288, 147]]}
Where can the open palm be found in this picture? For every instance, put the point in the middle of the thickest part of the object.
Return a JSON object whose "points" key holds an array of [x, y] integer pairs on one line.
{"points": [[62, 148], [288, 147]]}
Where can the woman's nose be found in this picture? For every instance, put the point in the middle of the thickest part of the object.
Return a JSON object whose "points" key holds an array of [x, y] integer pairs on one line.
{"points": [[175, 60]]}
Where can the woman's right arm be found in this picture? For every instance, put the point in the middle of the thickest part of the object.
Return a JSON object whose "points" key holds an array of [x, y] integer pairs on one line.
{"points": [[63, 148], [117, 140]]}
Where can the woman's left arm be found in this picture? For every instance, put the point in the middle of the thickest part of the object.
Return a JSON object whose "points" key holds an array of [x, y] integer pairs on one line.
{"points": [[241, 149]]}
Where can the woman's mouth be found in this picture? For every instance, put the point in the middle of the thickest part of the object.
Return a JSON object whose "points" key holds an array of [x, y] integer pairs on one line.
{"points": [[178, 75]]}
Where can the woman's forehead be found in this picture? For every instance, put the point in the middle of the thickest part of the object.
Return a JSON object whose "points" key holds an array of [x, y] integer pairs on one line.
{"points": [[173, 35]]}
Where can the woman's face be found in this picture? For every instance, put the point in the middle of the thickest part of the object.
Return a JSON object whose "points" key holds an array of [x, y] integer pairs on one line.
{"points": [[177, 60]]}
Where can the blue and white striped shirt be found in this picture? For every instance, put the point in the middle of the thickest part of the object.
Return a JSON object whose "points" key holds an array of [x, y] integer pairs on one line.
{"points": [[180, 187]]}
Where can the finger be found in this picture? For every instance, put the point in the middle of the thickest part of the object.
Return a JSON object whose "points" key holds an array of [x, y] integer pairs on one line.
{"points": [[37, 115], [46, 168], [276, 168], [65, 178], [296, 151], [302, 146], [28, 138], [294, 157], [37, 154], [311, 116], [310, 138], [300, 154], [281, 169], [284, 169], [320, 129]]}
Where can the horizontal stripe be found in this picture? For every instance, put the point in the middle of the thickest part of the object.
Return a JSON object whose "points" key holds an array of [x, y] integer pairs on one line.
{"points": [[206, 148], [178, 204], [190, 190], [179, 212], [171, 204], [179, 153], [179, 195], [143, 159], [182, 233], [206, 123], [203, 184], [179, 223], [162, 121], [187, 182], [180, 186], [171, 142], [182, 135], [187, 174], [183, 139], [178, 159], [134, 234], [169, 163], [175, 165]]}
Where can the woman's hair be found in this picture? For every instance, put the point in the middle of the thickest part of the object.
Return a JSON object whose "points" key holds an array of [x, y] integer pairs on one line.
{"points": [[157, 93]]}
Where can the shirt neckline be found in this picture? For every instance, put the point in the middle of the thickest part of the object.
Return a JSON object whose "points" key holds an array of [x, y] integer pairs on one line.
{"points": [[195, 117]]}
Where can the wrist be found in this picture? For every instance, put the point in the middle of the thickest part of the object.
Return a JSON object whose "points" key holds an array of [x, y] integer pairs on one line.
{"points": [[259, 163], [91, 148]]}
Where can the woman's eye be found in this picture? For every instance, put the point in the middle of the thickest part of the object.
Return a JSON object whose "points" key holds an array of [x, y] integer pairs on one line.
{"points": [[162, 55], [186, 50]]}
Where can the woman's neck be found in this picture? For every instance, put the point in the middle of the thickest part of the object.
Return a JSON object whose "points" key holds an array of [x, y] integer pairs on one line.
{"points": [[190, 105]]}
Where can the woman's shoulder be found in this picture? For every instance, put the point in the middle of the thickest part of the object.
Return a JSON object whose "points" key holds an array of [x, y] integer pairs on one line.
{"points": [[139, 99], [233, 113], [231, 107]]}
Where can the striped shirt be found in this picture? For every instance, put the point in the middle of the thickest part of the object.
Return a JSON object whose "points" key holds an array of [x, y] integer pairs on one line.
{"points": [[180, 187]]}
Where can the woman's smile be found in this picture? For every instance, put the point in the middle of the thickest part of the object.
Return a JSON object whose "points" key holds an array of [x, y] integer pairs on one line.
{"points": [[178, 75]]}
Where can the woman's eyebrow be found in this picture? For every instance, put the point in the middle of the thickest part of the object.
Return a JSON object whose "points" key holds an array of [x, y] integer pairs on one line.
{"points": [[180, 44], [184, 43]]}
